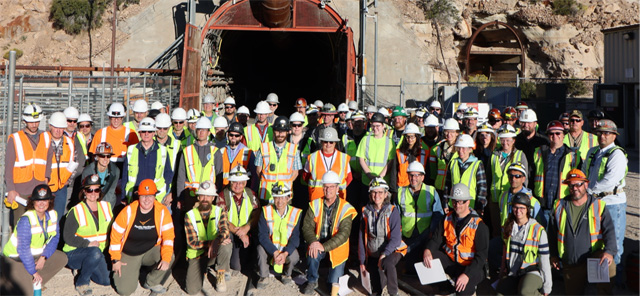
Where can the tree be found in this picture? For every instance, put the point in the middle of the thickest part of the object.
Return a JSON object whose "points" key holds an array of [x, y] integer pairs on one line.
{"points": [[440, 12]]}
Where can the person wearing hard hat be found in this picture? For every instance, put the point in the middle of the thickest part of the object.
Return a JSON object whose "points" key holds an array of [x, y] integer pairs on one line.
{"points": [[318, 104], [350, 142], [106, 170], [272, 100], [234, 153], [526, 260], [164, 138], [517, 175], [582, 228], [208, 243], [328, 158], [84, 134], [468, 170], [326, 229], [342, 118], [470, 122], [328, 115], [72, 114], [431, 133], [459, 115], [301, 107], [85, 236], [71, 131], [461, 243], [494, 118], [208, 103], [140, 110], [594, 117], [485, 144], [420, 211], [578, 139], [241, 204], [201, 161], [521, 107], [442, 153], [411, 149], [510, 116], [380, 245], [230, 110], [278, 160], [148, 160], [29, 257], [120, 137], [312, 117], [564, 118], [606, 168], [399, 119], [529, 139], [369, 111], [178, 121], [419, 118], [63, 164], [242, 116], [551, 163], [220, 125], [298, 129], [193, 115], [259, 132], [353, 106], [157, 105], [26, 155], [375, 151], [142, 235], [435, 108], [278, 236]]}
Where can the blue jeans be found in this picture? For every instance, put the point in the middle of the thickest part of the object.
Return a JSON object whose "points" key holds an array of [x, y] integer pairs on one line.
{"points": [[314, 265], [546, 215], [91, 265], [60, 201], [618, 213]]}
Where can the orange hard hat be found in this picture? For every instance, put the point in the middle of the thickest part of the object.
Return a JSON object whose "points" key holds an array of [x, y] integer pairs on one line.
{"points": [[147, 187], [301, 102], [575, 175], [495, 113]]}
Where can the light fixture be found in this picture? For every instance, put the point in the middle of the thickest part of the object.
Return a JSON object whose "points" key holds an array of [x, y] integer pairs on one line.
{"points": [[628, 36]]}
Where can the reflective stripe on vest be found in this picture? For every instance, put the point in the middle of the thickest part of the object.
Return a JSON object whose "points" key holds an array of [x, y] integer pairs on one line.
{"points": [[595, 230], [86, 226], [569, 161], [460, 250], [29, 163], [318, 167], [416, 212], [403, 161], [603, 163], [38, 242], [377, 226], [204, 235], [133, 167], [531, 248], [227, 166], [283, 167], [83, 144], [500, 178], [374, 165], [440, 163], [60, 172], [245, 209], [280, 232], [103, 138], [196, 172], [505, 205], [344, 210], [468, 178], [587, 142]]}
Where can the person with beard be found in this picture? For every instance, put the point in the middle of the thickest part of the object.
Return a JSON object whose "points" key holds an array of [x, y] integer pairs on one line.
{"points": [[230, 110], [578, 139], [259, 132], [584, 229], [399, 120], [242, 116], [207, 230], [431, 131], [235, 153], [529, 139]]}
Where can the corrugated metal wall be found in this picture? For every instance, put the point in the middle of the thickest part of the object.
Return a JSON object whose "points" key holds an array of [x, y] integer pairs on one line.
{"points": [[621, 56]]}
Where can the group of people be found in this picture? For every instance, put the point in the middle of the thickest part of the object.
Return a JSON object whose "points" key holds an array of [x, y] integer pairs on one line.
{"points": [[216, 194]]}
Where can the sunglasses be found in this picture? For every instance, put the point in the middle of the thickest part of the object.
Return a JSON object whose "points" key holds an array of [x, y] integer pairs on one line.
{"points": [[162, 128], [178, 122], [575, 120], [565, 122], [458, 202], [233, 135], [104, 156], [84, 125], [556, 134], [96, 190], [72, 121], [229, 107], [273, 105], [517, 176], [296, 125], [576, 185], [146, 132]]}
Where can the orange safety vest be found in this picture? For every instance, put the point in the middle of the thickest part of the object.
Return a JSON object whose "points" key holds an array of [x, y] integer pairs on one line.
{"points": [[317, 168], [120, 139], [344, 210], [60, 172], [29, 163], [460, 249], [369, 217], [241, 158], [403, 164]]}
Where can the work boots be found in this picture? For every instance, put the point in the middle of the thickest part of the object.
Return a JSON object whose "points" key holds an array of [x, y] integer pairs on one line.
{"points": [[221, 285]]}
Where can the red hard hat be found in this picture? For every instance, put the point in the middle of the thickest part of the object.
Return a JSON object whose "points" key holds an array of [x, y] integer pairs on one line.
{"points": [[555, 125], [510, 113], [495, 113], [301, 102]]}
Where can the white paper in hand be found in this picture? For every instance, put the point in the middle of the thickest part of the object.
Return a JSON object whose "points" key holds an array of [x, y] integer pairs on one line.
{"points": [[434, 274], [365, 279], [596, 272], [344, 285]]}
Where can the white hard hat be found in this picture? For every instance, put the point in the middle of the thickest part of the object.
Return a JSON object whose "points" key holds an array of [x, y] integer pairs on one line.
{"points": [[140, 106], [280, 189], [349, 115], [71, 113], [485, 127], [471, 113], [353, 105], [32, 113], [208, 99], [272, 98], [203, 123], [262, 108], [84, 117], [462, 107], [179, 114], [238, 174], [411, 128], [329, 134], [318, 104], [528, 115], [377, 183], [435, 104], [421, 112], [193, 115], [229, 101], [330, 177], [220, 122], [312, 109], [343, 108], [464, 141], [147, 124], [163, 120], [243, 110], [156, 105], [432, 121], [371, 109], [58, 119], [451, 124], [296, 117], [459, 191], [506, 131], [116, 110], [384, 111], [358, 115], [207, 188], [415, 167]]}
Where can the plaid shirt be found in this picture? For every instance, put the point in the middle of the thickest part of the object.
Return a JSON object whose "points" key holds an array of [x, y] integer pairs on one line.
{"points": [[325, 230], [551, 175], [192, 236]]}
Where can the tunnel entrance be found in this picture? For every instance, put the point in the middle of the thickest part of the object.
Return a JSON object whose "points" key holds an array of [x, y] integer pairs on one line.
{"points": [[495, 50]]}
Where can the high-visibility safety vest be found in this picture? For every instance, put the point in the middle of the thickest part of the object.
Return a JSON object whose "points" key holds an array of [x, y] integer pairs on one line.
{"points": [[567, 162], [530, 250], [416, 213], [439, 165], [468, 177], [505, 210], [120, 139], [38, 238], [375, 156], [282, 167], [204, 235], [344, 210], [239, 217], [60, 170], [241, 158], [379, 225], [595, 210], [86, 225], [317, 169], [281, 228], [196, 171], [591, 155], [350, 147], [173, 147], [254, 139], [29, 163], [124, 221], [158, 178], [403, 161], [500, 178], [459, 250], [132, 126], [83, 144], [588, 140], [185, 132]]}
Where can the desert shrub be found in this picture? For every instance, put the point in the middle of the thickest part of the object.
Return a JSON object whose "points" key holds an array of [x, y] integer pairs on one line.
{"points": [[19, 53], [565, 7], [527, 90]]}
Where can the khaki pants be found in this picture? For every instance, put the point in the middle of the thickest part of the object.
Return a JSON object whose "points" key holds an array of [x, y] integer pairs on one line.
{"points": [[17, 281], [128, 281], [528, 284], [197, 268]]}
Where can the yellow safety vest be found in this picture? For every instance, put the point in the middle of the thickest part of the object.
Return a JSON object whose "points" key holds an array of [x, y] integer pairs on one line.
{"points": [[281, 228], [283, 167], [588, 140], [500, 179], [244, 212], [569, 161], [595, 210], [133, 167], [468, 178], [416, 212], [254, 139], [375, 156], [86, 226], [196, 172], [204, 235], [38, 241], [530, 250]]}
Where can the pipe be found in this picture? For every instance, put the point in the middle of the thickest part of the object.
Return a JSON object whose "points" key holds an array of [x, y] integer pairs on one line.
{"points": [[103, 99], [20, 100], [9, 124], [128, 95], [361, 47], [70, 87], [88, 69], [375, 59]]}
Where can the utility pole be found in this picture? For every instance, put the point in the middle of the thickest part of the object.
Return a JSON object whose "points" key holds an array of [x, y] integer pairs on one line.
{"points": [[113, 44], [361, 50]]}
